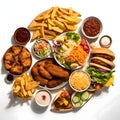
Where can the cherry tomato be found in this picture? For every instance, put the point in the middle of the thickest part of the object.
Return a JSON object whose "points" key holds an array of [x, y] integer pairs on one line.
{"points": [[83, 42]]}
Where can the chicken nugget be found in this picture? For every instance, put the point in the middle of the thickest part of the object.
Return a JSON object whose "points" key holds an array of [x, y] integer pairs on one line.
{"points": [[24, 54], [26, 62], [16, 49], [7, 64], [9, 56], [16, 69], [54, 83], [57, 71]]}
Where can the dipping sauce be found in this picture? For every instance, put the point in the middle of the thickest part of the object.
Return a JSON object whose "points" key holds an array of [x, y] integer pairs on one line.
{"points": [[10, 77], [92, 27], [22, 35], [105, 41], [43, 98], [79, 80]]}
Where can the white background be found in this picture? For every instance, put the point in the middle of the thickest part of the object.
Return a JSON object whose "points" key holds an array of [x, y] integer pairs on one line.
{"points": [[18, 13]]}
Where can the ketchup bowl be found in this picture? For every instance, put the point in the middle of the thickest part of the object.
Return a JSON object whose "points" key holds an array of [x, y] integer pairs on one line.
{"points": [[91, 27], [21, 35]]}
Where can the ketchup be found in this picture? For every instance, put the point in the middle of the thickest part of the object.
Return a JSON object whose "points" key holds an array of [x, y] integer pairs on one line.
{"points": [[92, 27], [22, 35]]}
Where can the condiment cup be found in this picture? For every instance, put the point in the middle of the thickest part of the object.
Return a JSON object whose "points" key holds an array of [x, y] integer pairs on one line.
{"points": [[22, 35], [79, 80], [91, 28], [43, 97]]}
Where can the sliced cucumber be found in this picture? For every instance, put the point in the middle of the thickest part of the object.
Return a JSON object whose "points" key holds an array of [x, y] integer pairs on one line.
{"points": [[76, 99], [79, 104], [78, 94], [85, 95]]}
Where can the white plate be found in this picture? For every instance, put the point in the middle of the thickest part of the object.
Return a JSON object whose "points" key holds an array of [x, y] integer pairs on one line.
{"points": [[54, 88]]}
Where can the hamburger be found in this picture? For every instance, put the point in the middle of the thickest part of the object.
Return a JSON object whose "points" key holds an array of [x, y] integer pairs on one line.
{"points": [[101, 67], [102, 58]]}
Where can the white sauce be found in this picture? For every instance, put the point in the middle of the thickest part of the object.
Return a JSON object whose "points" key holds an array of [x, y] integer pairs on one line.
{"points": [[43, 98], [105, 41]]}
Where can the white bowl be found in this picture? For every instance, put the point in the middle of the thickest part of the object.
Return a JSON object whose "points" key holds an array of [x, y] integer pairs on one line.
{"points": [[79, 80], [60, 56], [38, 51], [93, 36], [43, 98]]}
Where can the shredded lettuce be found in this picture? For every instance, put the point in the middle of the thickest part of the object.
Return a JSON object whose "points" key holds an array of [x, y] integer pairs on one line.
{"points": [[98, 76]]}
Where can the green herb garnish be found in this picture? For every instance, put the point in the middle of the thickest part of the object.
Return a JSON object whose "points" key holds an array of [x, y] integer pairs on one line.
{"points": [[73, 36]]}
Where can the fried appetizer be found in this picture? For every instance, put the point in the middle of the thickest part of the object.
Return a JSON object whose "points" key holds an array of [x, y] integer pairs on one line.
{"points": [[57, 71], [16, 49], [9, 57], [54, 83], [34, 71], [44, 73], [40, 79], [17, 69], [17, 59]]}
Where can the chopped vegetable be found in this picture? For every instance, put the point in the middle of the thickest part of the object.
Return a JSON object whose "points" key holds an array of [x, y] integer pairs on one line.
{"points": [[74, 36], [110, 81], [42, 48]]}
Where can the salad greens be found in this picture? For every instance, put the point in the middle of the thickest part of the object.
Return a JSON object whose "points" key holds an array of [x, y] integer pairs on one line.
{"points": [[74, 36], [98, 76]]}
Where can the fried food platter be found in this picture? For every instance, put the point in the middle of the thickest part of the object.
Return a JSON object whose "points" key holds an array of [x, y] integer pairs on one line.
{"points": [[49, 73], [17, 59]]}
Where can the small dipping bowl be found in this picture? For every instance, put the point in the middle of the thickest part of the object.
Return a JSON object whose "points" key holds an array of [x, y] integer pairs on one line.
{"points": [[41, 48], [79, 80], [43, 98], [91, 28], [105, 41], [21, 35]]}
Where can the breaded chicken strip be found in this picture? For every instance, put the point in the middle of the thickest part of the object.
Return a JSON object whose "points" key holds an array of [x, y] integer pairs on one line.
{"points": [[57, 71], [40, 79], [44, 73], [54, 83], [34, 71]]}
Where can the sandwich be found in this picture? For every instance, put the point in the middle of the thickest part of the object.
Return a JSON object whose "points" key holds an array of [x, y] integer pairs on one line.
{"points": [[102, 58], [62, 101], [101, 66]]}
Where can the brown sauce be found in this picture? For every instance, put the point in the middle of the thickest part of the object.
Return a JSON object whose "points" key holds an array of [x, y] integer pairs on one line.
{"points": [[92, 27], [22, 35]]}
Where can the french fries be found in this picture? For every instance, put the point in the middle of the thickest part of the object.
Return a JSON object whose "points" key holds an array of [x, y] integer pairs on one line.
{"points": [[53, 22], [24, 87]]}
